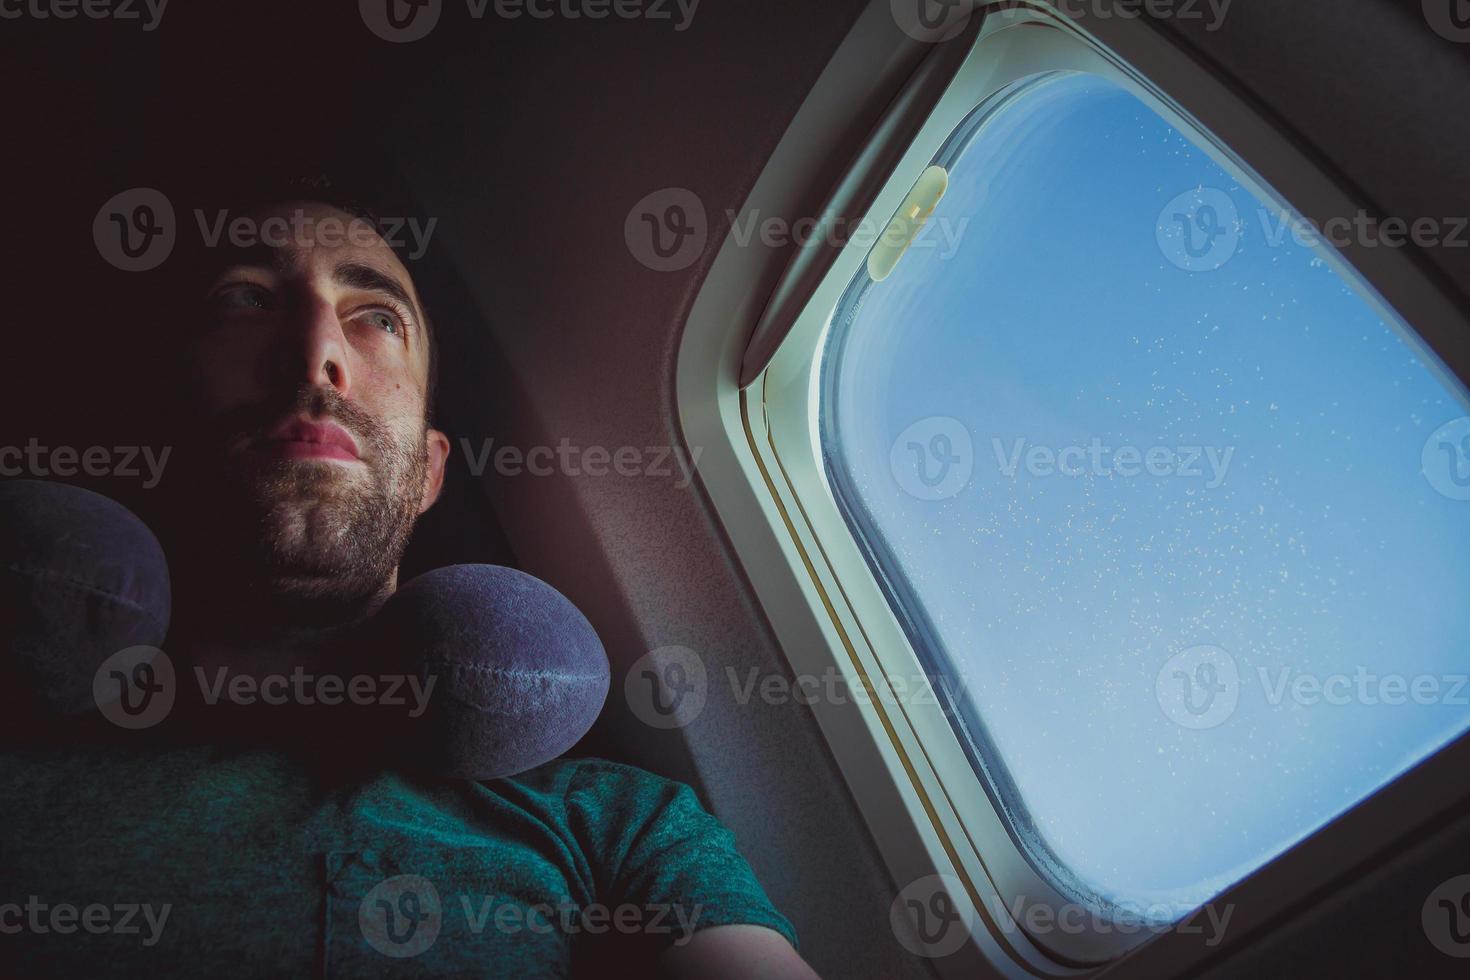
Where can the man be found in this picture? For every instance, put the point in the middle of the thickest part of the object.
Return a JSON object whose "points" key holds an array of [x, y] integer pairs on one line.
{"points": [[311, 366]]}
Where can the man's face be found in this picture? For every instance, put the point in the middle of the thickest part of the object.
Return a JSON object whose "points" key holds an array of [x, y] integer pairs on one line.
{"points": [[311, 367]]}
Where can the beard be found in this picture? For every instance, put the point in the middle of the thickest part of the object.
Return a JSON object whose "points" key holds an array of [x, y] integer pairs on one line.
{"points": [[314, 533]]}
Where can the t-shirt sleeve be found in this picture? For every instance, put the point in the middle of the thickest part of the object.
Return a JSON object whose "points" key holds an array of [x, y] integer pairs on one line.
{"points": [[652, 845]]}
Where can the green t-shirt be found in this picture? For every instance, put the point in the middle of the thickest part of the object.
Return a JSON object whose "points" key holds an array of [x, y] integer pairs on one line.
{"points": [[214, 862]]}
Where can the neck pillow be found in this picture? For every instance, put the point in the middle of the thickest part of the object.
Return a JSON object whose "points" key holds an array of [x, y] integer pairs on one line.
{"points": [[513, 673], [80, 579]]}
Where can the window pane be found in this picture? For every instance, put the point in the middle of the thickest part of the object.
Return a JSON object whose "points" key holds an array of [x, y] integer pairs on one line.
{"points": [[1178, 511]]}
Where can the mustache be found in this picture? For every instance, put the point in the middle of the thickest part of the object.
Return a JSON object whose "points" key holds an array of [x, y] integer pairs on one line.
{"points": [[250, 423]]}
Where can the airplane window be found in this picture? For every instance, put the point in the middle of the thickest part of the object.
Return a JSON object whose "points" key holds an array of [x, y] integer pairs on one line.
{"points": [[1172, 506]]}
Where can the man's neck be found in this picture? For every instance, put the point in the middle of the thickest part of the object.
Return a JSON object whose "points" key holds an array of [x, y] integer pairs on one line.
{"points": [[267, 628]]}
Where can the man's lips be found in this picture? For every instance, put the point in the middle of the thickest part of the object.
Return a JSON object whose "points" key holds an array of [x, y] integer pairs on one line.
{"points": [[302, 439]]}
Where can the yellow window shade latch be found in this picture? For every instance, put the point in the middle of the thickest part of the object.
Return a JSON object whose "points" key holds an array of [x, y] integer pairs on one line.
{"points": [[907, 222]]}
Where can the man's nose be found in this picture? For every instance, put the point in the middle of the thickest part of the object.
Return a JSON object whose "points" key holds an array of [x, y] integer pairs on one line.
{"points": [[314, 347]]}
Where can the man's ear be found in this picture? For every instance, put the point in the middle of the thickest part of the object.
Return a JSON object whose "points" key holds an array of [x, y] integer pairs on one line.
{"points": [[437, 445]]}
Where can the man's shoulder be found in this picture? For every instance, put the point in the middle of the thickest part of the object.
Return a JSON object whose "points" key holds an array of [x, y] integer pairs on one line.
{"points": [[653, 844], [602, 791]]}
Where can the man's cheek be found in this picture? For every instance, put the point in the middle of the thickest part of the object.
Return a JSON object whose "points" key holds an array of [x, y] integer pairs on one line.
{"points": [[226, 372], [396, 407], [389, 394]]}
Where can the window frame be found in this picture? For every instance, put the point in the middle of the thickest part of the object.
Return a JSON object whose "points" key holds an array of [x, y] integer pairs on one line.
{"points": [[764, 473]]}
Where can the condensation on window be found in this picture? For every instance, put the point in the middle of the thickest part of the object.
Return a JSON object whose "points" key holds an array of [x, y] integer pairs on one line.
{"points": [[1176, 509]]}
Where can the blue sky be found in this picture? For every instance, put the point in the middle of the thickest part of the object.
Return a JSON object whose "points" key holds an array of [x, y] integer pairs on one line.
{"points": [[1320, 549]]}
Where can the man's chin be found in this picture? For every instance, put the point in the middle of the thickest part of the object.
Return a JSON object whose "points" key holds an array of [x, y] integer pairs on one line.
{"points": [[322, 536], [300, 483], [306, 560]]}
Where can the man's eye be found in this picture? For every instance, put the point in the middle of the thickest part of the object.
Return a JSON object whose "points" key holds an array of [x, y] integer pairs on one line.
{"points": [[242, 296], [385, 320]]}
